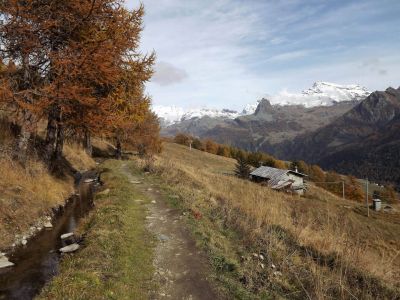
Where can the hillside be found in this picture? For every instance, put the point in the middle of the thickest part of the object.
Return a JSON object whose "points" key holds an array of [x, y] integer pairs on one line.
{"points": [[188, 228], [363, 142], [267, 126], [30, 193], [271, 120], [306, 245]]}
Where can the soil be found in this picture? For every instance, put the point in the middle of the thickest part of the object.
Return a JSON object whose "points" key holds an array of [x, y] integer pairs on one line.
{"points": [[181, 269]]}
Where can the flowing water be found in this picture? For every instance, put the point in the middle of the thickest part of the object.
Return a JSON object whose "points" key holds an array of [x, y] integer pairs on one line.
{"points": [[38, 261]]}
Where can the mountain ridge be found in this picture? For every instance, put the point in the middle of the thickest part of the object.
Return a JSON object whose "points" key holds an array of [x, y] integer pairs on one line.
{"points": [[365, 141], [320, 94]]}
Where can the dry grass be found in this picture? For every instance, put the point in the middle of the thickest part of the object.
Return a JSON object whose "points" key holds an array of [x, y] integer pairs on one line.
{"points": [[324, 246], [26, 194], [78, 157], [103, 148]]}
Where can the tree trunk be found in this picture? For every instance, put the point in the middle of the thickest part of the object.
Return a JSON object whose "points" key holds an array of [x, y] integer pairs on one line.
{"points": [[118, 149], [21, 153], [51, 134], [87, 143], [28, 120], [59, 142]]}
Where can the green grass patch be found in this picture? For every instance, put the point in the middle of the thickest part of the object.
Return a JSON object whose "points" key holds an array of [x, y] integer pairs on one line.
{"points": [[115, 261]]}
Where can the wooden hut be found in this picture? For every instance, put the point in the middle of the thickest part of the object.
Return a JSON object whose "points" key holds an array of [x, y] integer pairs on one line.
{"points": [[278, 179]]}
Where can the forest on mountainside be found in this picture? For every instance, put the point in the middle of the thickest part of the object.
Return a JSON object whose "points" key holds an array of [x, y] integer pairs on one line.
{"points": [[72, 70]]}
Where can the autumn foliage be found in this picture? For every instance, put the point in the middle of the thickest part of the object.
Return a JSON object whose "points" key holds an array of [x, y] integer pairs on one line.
{"points": [[75, 64]]}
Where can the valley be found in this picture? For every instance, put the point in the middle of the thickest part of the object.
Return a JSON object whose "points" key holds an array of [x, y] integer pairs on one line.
{"points": [[349, 137], [199, 150]]}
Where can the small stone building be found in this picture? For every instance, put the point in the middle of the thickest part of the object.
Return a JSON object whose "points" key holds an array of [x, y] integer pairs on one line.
{"points": [[278, 179]]}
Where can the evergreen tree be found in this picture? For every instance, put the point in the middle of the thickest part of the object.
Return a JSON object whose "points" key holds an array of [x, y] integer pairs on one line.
{"points": [[197, 144], [242, 168]]}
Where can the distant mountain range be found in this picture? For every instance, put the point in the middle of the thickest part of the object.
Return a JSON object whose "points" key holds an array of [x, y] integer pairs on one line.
{"points": [[344, 128], [320, 94], [365, 141]]}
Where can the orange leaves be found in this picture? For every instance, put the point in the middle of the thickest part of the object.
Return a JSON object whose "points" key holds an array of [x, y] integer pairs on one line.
{"points": [[80, 57]]}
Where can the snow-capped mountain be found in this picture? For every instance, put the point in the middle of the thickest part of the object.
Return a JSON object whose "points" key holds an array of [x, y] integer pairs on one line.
{"points": [[320, 94], [250, 108], [173, 114], [169, 114], [213, 113]]}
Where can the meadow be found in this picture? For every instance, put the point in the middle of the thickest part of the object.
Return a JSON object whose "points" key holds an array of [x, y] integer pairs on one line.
{"points": [[270, 244]]}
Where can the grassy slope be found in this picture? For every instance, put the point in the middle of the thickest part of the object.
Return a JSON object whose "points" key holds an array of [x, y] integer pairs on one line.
{"points": [[116, 261], [27, 194], [321, 246]]}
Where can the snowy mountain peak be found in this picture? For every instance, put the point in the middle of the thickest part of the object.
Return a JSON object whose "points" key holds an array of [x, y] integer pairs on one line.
{"points": [[172, 114], [337, 92], [320, 94], [250, 109]]}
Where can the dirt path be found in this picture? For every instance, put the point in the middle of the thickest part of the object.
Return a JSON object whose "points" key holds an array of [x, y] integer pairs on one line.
{"points": [[181, 269]]}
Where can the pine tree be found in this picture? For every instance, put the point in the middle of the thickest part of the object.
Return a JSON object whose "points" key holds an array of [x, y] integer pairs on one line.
{"points": [[242, 168]]}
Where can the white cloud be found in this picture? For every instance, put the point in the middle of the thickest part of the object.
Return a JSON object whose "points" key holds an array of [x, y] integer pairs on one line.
{"points": [[168, 74], [224, 53]]}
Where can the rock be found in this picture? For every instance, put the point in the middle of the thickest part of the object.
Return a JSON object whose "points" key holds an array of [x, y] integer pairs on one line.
{"points": [[163, 238], [70, 248], [24, 242], [277, 273], [48, 225], [154, 202], [273, 266], [5, 263], [66, 235], [105, 192], [88, 180], [262, 266], [135, 182], [261, 257], [149, 189]]}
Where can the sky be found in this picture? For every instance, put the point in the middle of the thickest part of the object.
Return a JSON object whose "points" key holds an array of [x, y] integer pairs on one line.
{"points": [[227, 53]]}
